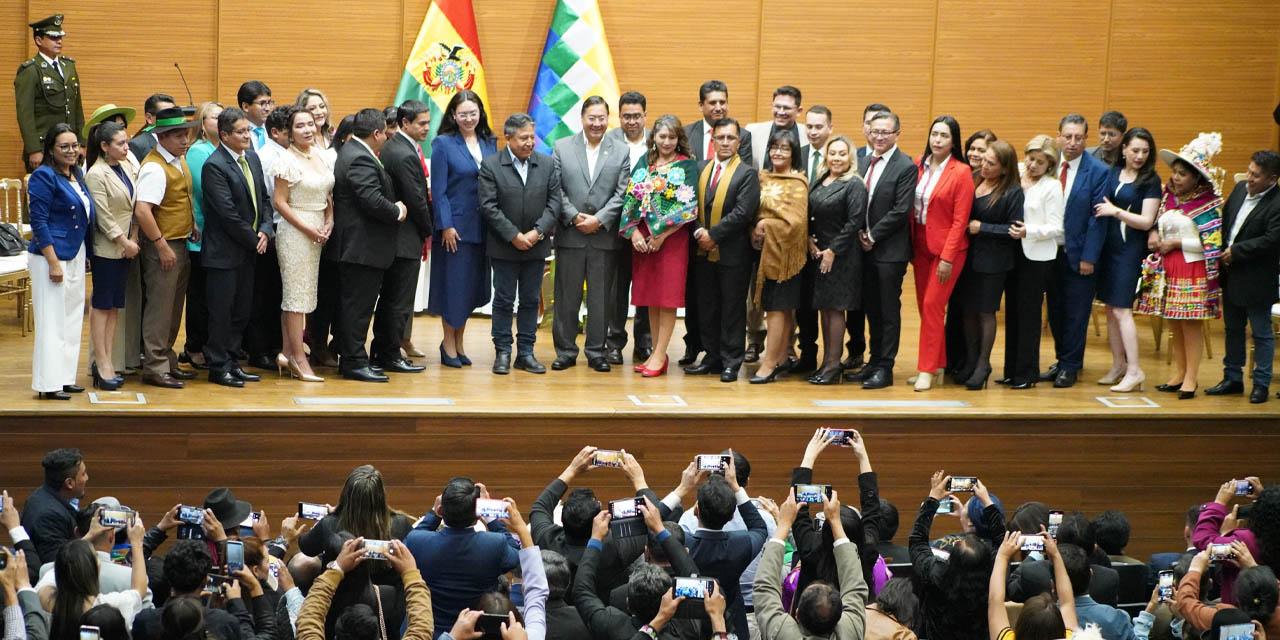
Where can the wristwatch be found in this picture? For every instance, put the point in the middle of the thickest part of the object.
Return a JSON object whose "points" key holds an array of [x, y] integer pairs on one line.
{"points": [[541, 236], [333, 564]]}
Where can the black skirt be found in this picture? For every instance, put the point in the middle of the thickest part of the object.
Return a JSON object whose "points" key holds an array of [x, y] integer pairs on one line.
{"points": [[980, 291], [782, 296]]}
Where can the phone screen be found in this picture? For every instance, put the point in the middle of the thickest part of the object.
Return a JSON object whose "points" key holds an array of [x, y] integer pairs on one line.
{"points": [[843, 437], [1236, 632], [812, 493], [88, 632], [115, 518], [1220, 552], [712, 462], [1166, 586], [1031, 543], [490, 624], [235, 556], [1055, 520], [607, 458], [1243, 487], [489, 508], [191, 515], [377, 549], [694, 588], [946, 505], [962, 483], [625, 508], [312, 511]]}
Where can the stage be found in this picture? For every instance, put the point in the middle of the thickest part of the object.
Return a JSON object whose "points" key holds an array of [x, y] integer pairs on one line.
{"points": [[279, 441]]}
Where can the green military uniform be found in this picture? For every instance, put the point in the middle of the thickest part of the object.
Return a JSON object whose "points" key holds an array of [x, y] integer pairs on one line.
{"points": [[45, 97]]}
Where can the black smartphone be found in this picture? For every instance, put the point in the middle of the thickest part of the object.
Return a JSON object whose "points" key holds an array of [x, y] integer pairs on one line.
{"points": [[191, 515], [490, 624], [713, 462], [115, 518], [811, 493], [1219, 552], [235, 556], [843, 437], [90, 632], [1031, 543], [1236, 631], [1165, 585], [214, 581], [377, 549], [1244, 487], [625, 508], [962, 483], [190, 532], [946, 505], [312, 511], [246, 527], [4, 557], [1055, 521]]}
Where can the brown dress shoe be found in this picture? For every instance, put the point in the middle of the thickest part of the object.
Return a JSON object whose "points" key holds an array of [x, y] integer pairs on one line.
{"points": [[164, 381]]}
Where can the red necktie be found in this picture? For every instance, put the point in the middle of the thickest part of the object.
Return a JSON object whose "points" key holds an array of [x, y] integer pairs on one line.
{"points": [[871, 169], [711, 149], [1062, 177], [715, 178], [426, 171]]}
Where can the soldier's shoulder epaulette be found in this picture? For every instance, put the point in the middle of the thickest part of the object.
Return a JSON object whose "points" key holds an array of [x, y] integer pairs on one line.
{"points": [[68, 59], [26, 64]]}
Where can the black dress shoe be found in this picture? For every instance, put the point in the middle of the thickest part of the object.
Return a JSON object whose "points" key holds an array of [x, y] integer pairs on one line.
{"points": [[1051, 374], [879, 379], [730, 374], [1258, 395], [364, 374], [753, 352], [225, 378], [1064, 379], [54, 395], [859, 375], [599, 364], [262, 362], [563, 362], [701, 369], [640, 354], [182, 374], [1225, 388], [72, 388], [613, 356], [244, 376], [502, 363], [400, 365], [690, 356], [530, 364], [185, 358], [1005, 380], [852, 362]]}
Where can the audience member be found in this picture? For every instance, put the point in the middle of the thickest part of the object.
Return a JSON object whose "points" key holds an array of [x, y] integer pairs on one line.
{"points": [[1255, 586], [76, 569], [108, 620], [49, 514], [1111, 530], [1033, 577], [359, 621], [1040, 617], [1261, 536], [186, 569], [891, 551], [894, 613], [112, 577], [1113, 623], [563, 620]]}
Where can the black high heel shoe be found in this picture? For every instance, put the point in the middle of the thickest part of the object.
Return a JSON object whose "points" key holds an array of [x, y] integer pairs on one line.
{"points": [[1169, 388], [773, 375], [975, 383], [54, 395], [103, 383], [832, 376], [1187, 395]]}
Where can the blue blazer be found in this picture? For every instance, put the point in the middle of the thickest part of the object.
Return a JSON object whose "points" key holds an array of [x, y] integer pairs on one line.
{"points": [[1084, 234], [58, 216], [460, 564], [454, 183]]}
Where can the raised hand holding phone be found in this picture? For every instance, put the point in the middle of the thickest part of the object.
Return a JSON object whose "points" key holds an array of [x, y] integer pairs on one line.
{"points": [[1009, 546], [938, 484], [464, 628], [600, 525], [351, 555], [652, 517]]}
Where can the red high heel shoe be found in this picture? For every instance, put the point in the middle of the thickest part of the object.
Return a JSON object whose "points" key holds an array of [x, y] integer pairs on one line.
{"points": [[653, 373], [639, 368]]}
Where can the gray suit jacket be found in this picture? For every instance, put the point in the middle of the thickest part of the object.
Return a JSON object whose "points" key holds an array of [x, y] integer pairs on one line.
{"points": [[600, 194], [510, 207], [33, 613]]}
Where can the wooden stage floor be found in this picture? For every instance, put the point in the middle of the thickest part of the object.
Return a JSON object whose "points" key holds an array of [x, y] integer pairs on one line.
{"points": [[279, 441]]}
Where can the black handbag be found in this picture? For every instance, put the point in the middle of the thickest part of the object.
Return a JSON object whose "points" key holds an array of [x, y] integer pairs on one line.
{"points": [[11, 242]]}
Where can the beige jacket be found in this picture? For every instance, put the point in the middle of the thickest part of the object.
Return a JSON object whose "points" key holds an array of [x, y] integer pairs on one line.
{"points": [[113, 203], [766, 593], [881, 626]]}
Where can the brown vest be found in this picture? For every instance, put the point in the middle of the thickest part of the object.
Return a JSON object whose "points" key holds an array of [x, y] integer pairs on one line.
{"points": [[173, 215]]}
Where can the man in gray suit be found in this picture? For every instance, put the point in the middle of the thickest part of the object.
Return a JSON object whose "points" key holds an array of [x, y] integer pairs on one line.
{"points": [[519, 192], [593, 180]]}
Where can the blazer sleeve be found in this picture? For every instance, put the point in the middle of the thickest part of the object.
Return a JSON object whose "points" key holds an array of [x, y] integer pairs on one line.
{"points": [[366, 181], [442, 211], [97, 184], [547, 222], [869, 502], [853, 591], [745, 205], [567, 211], [541, 524], [1096, 232], [219, 204], [766, 594], [961, 207], [490, 207], [922, 558], [612, 210], [42, 188], [1261, 247], [855, 203], [904, 187], [603, 621], [1011, 206], [266, 211], [316, 607], [744, 148], [34, 615], [411, 189], [417, 598]]}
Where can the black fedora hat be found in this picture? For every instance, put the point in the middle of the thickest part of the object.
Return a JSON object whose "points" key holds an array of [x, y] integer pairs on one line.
{"points": [[171, 118], [229, 511]]}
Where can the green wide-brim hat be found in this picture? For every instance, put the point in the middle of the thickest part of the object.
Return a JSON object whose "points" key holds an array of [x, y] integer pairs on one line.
{"points": [[107, 111], [171, 118]]}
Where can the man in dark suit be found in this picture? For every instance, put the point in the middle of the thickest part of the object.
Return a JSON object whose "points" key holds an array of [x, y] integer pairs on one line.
{"points": [[593, 171], [144, 141], [406, 164], [1251, 268], [368, 215], [855, 320], [519, 191], [237, 226], [47, 516], [1073, 285], [721, 554], [729, 192], [891, 180], [634, 136]]}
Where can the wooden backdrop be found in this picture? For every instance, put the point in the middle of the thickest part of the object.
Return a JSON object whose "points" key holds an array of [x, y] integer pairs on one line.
{"points": [[1176, 67]]}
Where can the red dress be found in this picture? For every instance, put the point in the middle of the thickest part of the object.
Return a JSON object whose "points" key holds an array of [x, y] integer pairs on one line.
{"points": [[658, 279]]}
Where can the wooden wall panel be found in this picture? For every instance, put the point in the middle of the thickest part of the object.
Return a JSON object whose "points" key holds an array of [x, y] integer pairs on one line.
{"points": [[1186, 67], [990, 72]]}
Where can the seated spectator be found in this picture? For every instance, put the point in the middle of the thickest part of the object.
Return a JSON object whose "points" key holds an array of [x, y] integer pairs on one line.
{"points": [[108, 620], [1261, 536], [186, 569], [283, 597], [655, 553], [48, 516], [891, 551], [1113, 623], [11, 523], [563, 620], [457, 562], [1111, 530], [823, 608], [1256, 589], [1041, 618], [972, 521], [1161, 561], [954, 606], [649, 588], [1030, 516], [360, 622], [1033, 578], [569, 539], [184, 619], [1158, 620], [893, 614], [76, 569], [814, 545], [112, 577]]}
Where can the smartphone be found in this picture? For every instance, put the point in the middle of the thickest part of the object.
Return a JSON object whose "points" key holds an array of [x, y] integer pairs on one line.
{"points": [[962, 483], [1055, 520], [946, 505], [713, 462], [843, 437], [1220, 552], [190, 532], [235, 556], [695, 588], [214, 581], [377, 549], [191, 515], [312, 511], [1236, 632], [89, 632], [1031, 543], [607, 458], [811, 493], [1165, 585], [625, 508], [489, 508], [115, 518], [246, 527], [1244, 487], [490, 624]]}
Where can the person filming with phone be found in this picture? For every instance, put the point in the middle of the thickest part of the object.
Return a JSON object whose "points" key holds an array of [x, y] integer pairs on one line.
{"points": [[353, 553]]}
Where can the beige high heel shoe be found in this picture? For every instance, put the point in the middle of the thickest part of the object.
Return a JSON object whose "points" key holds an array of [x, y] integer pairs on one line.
{"points": [[295, 372], [1128, 384], [924, 381], [937, 375], [282, 362]]}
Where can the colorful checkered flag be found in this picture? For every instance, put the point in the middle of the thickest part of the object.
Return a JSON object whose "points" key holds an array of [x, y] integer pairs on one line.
{"points": [[576, 64]]}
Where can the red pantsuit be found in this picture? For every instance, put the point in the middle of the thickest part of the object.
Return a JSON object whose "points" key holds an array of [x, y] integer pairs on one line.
{"points": [[939, 231]]}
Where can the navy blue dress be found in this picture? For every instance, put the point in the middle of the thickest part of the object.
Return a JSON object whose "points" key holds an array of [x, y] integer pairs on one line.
{"points": [[460, 281], [1120, 263]]}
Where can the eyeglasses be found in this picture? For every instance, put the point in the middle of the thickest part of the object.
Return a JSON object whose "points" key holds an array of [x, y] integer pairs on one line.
{"points": [[633, 117], [265, 103], [880, 133], [69, 146]]}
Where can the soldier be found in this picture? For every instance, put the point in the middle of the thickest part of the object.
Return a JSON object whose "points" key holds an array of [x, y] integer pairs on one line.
{"points": [[46, 90]]}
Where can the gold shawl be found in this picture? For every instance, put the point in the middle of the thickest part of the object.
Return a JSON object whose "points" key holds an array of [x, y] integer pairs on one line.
{"points": [[784, 212], [712, 218]]}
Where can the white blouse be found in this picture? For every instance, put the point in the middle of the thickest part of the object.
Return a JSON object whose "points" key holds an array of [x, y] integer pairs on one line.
{"points": [[1042, 211], [1174, 225]]}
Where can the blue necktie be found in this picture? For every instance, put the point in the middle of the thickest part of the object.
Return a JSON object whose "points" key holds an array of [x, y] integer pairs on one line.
{"points": [[260, 135]]}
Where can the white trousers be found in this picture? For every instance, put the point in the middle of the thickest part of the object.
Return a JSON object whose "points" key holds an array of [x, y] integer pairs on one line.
{"points": [[59, 320]]}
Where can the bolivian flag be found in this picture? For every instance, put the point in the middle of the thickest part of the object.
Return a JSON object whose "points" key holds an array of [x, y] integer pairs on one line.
{"points": [[444, 60]]}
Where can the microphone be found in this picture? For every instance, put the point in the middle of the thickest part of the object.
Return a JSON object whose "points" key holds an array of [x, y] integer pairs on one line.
{"points": [[189, 110]]}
